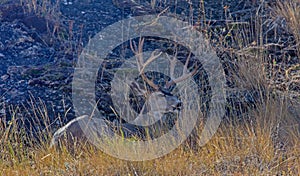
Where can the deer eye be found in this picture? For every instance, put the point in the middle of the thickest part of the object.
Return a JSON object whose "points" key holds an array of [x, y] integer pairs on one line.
{"points": [[162, 95], [165, 92]]}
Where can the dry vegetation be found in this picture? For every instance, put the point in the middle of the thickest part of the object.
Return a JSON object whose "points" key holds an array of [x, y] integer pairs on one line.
{"points": [[59, 29], [290, 11], [268, 145]]}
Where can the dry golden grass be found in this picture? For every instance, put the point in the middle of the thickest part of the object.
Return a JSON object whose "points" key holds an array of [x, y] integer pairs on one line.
{"points": [[288, 75], [290, 11], [267, 145]]}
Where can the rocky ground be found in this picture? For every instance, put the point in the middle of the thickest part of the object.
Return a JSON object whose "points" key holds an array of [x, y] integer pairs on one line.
{"points": [[38, 53], [36, 64]]}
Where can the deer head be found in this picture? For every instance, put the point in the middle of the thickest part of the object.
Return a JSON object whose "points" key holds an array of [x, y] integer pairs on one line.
{"points": [[154, 104], [161, 100]]}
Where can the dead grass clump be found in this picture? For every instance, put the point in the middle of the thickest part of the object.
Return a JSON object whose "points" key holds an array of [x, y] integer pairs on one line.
{"points": [[268, 145], [59, 30], [290, 11]]}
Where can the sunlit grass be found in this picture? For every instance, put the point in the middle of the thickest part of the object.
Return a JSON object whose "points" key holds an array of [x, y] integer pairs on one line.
{"points": [[290, 11], [267, 144]]}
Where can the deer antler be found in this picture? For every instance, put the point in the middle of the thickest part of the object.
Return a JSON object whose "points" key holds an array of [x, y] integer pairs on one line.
{"points": [[138, 51], [185, 74]]}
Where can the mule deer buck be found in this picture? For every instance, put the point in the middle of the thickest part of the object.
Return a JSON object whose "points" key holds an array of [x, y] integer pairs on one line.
{"points": [[157, 102]]}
